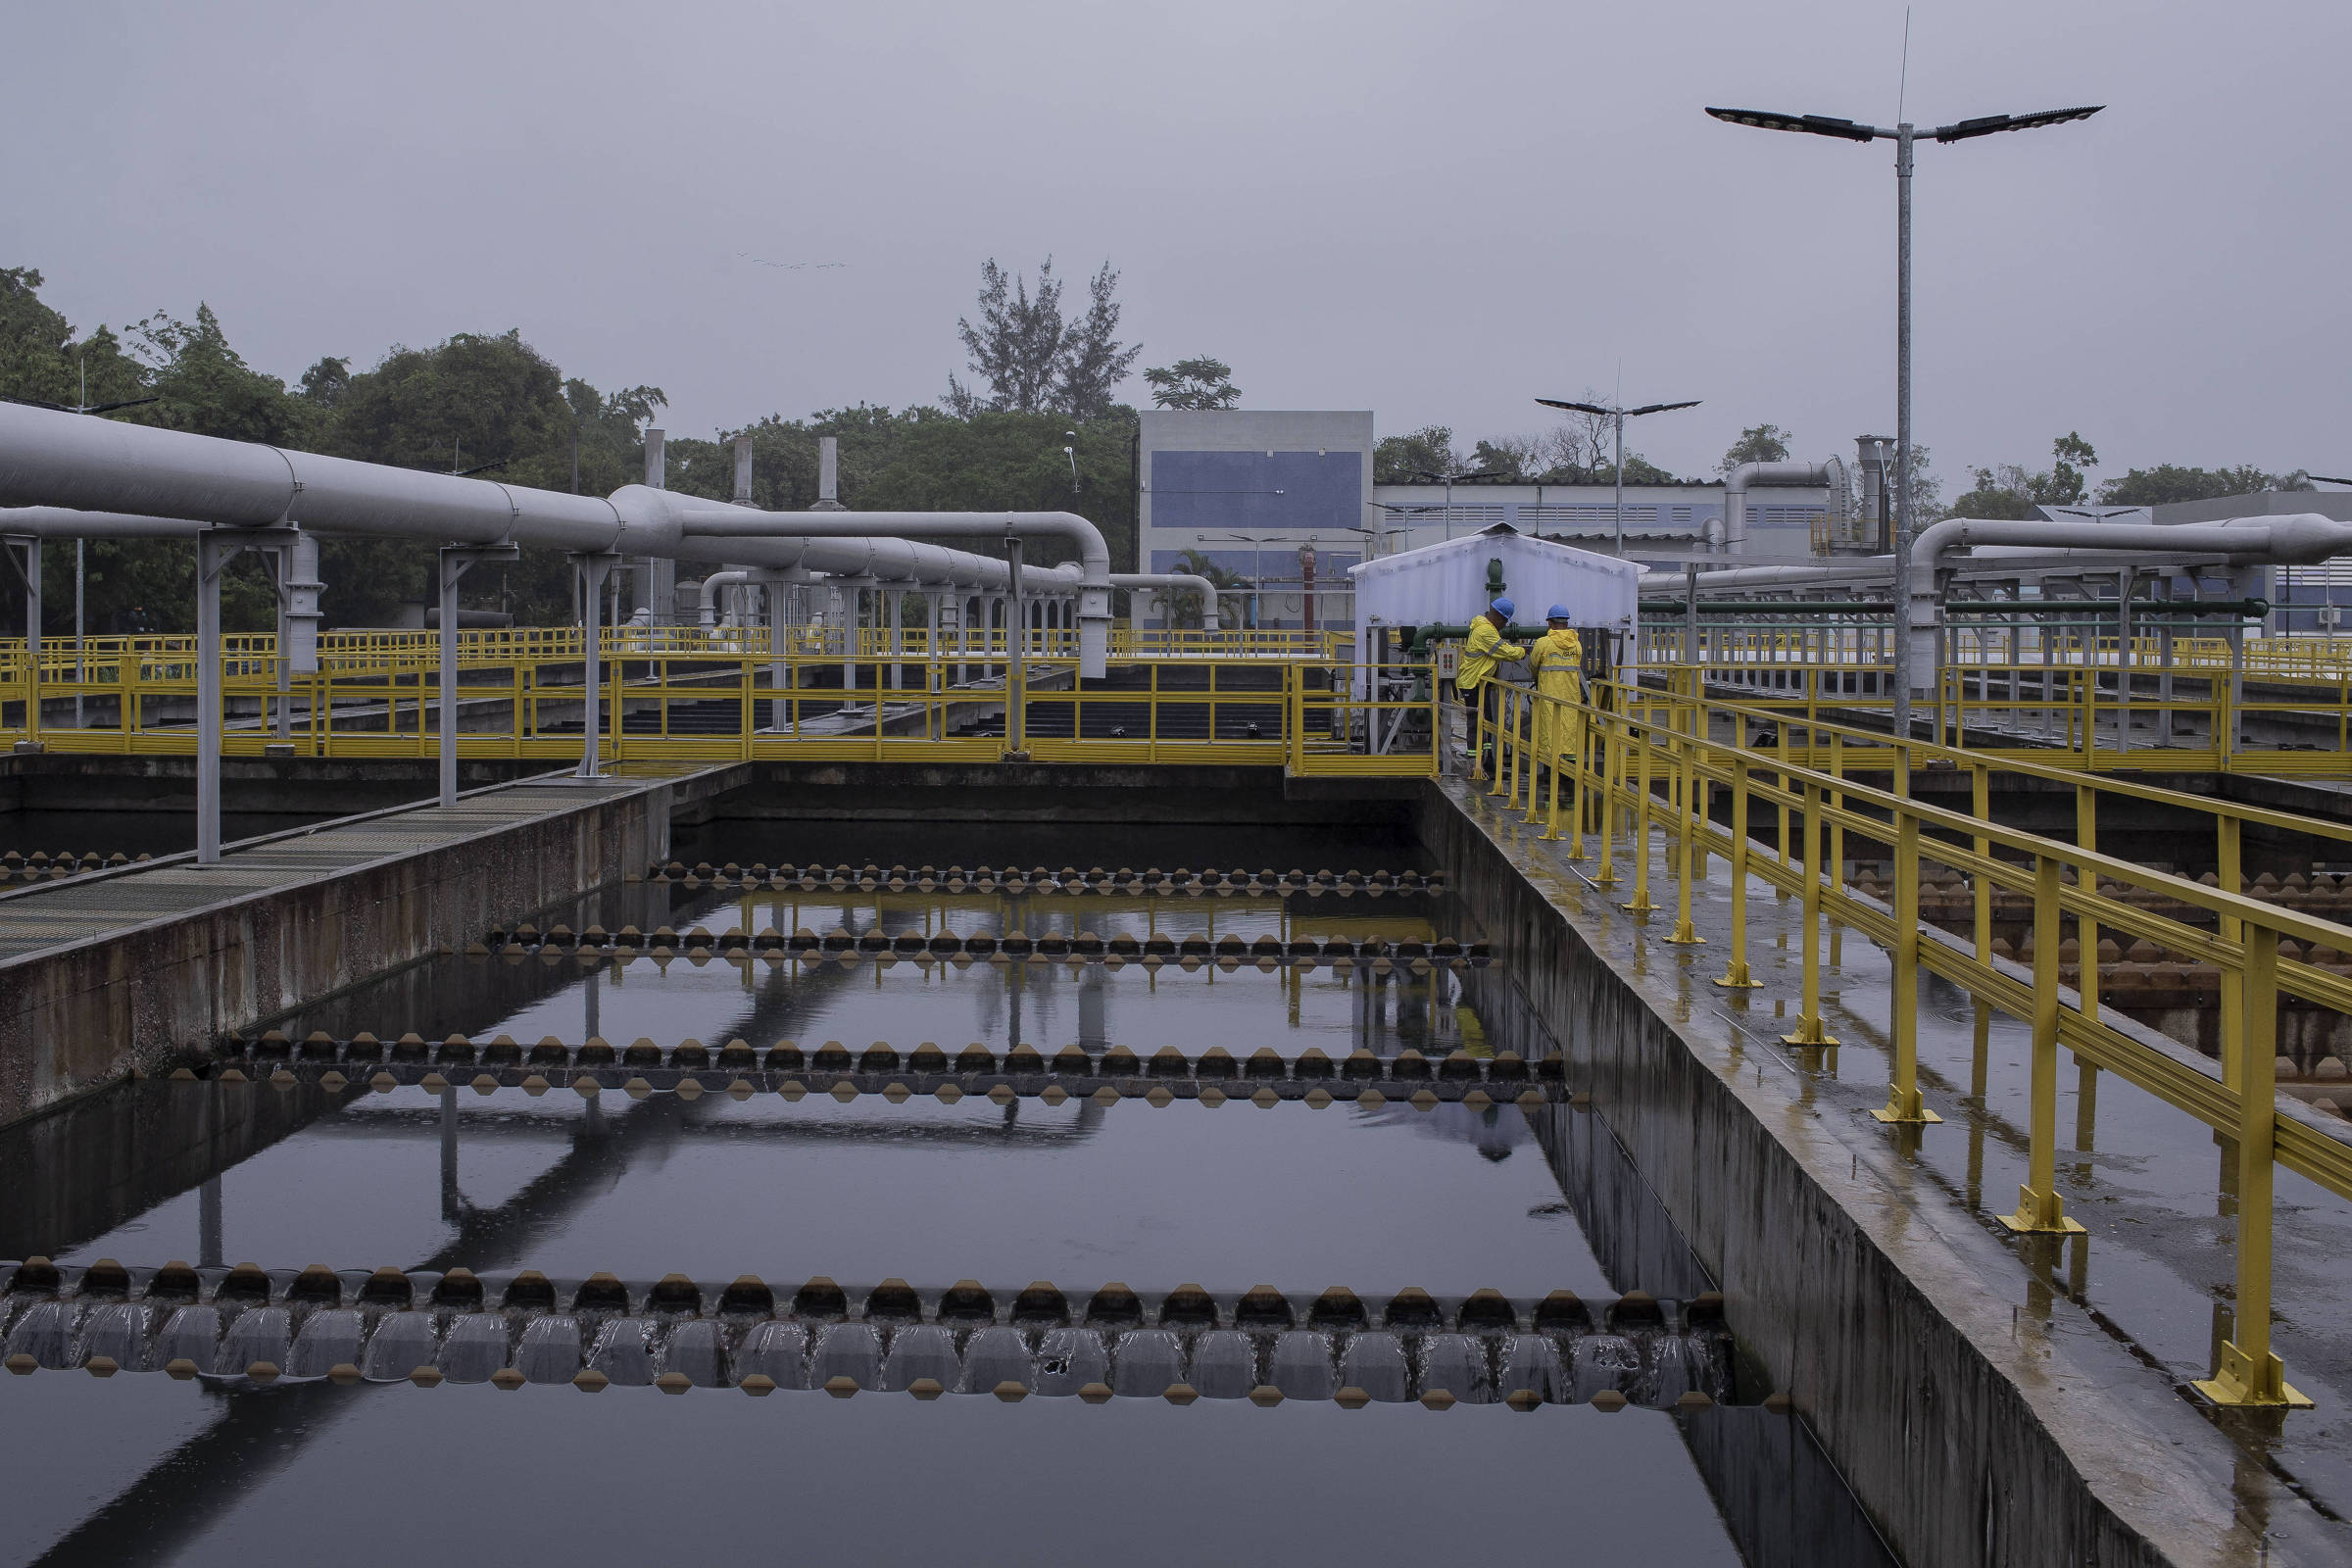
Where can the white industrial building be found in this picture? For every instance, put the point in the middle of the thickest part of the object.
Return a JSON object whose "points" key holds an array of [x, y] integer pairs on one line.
{"points": [[1283, 504]]}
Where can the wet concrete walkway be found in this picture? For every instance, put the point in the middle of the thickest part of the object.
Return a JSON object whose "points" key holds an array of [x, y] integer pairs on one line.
{"points": [[37, 917], [2115, 1323]]}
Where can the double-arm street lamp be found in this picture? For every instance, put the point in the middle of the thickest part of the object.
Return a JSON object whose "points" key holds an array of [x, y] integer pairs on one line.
{"points": [[1619, 415], [1902, 137]]}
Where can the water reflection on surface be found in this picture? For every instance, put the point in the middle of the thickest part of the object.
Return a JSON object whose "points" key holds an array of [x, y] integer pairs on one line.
{"points": [[1079, 1194], [139, 1467]]}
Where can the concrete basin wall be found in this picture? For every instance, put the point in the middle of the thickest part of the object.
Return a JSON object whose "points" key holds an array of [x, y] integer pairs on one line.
{"points": [[1963, 1444], [86, 1012]]}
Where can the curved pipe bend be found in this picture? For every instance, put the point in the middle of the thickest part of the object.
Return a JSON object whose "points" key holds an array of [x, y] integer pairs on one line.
{"points": [[1175, 579]]}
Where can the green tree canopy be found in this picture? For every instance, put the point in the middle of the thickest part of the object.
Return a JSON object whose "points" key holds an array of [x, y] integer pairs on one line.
{"points": [[1405, 459], [1200, 382], [2167, 482], [2009, 490], [1029, 360], [1757, 443]]}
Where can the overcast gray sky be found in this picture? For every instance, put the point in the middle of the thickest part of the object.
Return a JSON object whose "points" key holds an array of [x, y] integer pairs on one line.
{"points": [[1436, 212]]}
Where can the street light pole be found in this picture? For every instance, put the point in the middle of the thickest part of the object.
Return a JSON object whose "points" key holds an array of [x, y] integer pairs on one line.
{"points": [[1617, 506], [1903, 135], [1900, 716]]}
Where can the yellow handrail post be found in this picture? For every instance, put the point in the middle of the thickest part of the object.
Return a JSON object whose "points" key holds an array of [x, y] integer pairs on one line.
{"points": [[1555, 756], [1477, 727], [2040, 1209], [2088, 975], [1640, 904], [2249, 1373], [1612, 750], [1687, 822], [1980, 800], [2229, 832], [1735, 977], [1809, 1030], [1781, 736], [1903, 1104], [1837, 858], [1506, 733]]}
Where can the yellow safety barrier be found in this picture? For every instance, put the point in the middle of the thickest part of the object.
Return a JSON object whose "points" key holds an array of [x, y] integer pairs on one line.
{"points": [[686, 694], [1652, 754]]}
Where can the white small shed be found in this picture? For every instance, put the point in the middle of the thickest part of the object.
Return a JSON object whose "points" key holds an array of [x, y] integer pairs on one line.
{"points": [[1446, 584]]}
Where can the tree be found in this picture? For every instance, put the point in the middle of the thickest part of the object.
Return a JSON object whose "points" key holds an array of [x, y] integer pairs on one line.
{"points": [[1033, 362], [1927, 488], [1017, 348], [323, 384], [204, 386], [1405, 459], [40, 361], [1758, 443], [1184, 604], [1580, 444], [1509, 457], [1200, 382], [1094, 362], [2008, 490], [2166, 482]]}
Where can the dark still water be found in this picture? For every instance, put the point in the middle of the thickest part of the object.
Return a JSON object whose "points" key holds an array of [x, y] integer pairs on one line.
{"points": [[1049, 1247]]}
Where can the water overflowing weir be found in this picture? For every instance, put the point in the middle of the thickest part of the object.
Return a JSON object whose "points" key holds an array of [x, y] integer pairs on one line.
{"points": [[679, 1334]]}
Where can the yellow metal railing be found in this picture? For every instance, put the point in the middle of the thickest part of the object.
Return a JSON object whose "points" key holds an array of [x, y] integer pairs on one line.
{"points": [[2084, 705], [686, 694], [1654, 760]]}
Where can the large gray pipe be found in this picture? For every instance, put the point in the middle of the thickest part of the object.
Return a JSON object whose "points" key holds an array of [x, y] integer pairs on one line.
{"points": [[812, 531], [2295, 540], [97, 469], [1830, 474]]}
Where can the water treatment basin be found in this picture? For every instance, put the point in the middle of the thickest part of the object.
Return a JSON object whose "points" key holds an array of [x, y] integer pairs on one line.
{"points": [[1172, 1220]]}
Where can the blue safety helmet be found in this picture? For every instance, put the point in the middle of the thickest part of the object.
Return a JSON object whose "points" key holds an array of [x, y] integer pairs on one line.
{"points": [[1503, 606], [1558, 612]]}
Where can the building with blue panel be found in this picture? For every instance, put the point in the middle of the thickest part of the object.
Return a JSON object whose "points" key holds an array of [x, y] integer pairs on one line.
{"points": [[1278, 501]]}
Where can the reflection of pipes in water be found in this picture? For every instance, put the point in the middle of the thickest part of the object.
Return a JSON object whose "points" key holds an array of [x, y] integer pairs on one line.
{"points": [[450, 1202], [591, 1021], [208, 1222]]}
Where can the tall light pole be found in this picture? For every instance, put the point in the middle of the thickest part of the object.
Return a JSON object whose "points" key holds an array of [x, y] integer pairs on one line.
{"points": [[1902, 137], [1619, 415]]}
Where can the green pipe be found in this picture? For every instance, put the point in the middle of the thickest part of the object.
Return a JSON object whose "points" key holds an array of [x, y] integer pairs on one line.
{"points": [[1437, 634]]}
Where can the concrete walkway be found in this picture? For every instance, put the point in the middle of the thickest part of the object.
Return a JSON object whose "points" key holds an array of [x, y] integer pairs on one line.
{"points": [[78, 909]]}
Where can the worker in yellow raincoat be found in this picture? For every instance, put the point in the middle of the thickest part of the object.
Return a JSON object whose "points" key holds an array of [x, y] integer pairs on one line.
{"points": [[1557, 658], [1485, 650]]}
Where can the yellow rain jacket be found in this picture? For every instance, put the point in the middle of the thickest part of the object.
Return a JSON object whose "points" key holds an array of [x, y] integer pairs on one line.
{"points": [[1486, 650], [1557, 658]]}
